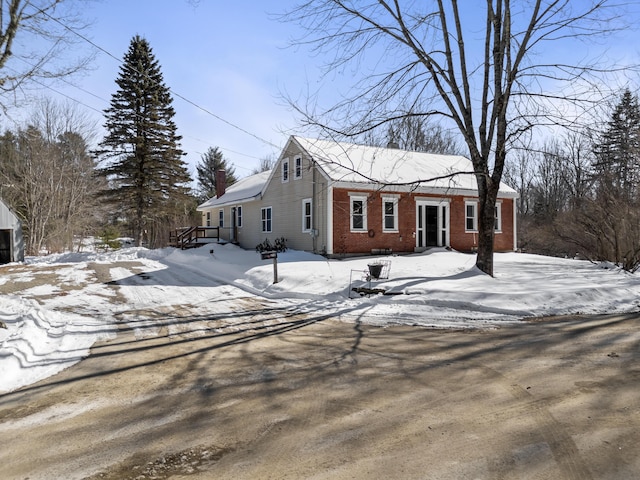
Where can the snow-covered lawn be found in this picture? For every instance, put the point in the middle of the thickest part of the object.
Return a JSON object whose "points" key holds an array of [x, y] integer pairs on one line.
{"points": [[51, 326]]}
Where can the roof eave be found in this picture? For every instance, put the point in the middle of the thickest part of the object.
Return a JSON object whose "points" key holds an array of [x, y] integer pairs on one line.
{"points": [[450, 191], [237, 201]]}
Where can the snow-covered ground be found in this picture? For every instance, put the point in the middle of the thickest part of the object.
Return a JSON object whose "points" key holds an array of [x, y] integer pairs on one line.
{"points": [[440, 289]]}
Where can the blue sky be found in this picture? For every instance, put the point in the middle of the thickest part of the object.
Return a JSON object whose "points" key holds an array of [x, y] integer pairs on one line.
{"points": [[228, 57], [231, 58]]}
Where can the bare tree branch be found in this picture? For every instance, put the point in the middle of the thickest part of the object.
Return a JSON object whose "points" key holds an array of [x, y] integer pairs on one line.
{"points": [[493, 89], [35, 35]]}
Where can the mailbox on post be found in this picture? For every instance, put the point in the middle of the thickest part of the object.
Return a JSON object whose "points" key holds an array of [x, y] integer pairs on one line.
{"points": [[272, 254], [269, 255]]}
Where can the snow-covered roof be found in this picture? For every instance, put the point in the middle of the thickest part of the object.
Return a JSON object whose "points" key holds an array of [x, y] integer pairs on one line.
{"points": [[8, 218], [350, 163], [243, 190]]}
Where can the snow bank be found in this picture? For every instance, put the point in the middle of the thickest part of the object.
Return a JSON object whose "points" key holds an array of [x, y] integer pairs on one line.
{"points": [[439, 288]]}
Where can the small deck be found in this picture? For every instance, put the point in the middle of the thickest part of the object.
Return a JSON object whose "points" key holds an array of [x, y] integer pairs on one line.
{"points": [[192, 237]]}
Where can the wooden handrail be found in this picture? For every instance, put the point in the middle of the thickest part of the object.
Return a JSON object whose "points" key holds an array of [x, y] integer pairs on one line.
{"points": [[187, 237]]}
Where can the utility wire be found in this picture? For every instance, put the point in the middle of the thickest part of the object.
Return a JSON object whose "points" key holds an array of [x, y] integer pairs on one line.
{"points": [[205, 110]]}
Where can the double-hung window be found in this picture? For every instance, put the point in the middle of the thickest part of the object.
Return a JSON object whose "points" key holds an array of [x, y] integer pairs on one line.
{"points": [[306, 215], [297, 168], [239, 216], [208, 219], [471, 216], [358, 213], [265, 214], [285, 170], [221, 218], [498, 224], [389, 213]]}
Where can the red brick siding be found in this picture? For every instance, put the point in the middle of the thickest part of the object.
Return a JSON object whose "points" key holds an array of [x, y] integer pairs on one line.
{"points": [[468, 241], [346, 242], [504, 240], [458, 237]]}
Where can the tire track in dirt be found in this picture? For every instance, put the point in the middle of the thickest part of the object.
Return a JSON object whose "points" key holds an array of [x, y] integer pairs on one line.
{"points": [[339, 402], [561, 444], [204, 457]]}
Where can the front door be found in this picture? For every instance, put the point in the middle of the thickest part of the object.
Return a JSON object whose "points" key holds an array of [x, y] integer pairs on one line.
{"points": [[432, 224]]}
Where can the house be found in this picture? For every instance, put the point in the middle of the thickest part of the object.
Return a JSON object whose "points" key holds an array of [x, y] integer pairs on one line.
{"points": [[11, 241], [227, 210], [338, 198]]}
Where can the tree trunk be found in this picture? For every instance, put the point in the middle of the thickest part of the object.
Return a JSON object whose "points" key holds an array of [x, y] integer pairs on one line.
{"points": [[487, 195], [138, 228]]}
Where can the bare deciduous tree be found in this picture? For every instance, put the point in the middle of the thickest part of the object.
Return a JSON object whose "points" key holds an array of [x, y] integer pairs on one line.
{"points": [[554, 181], [266, 163], [47, 175], [479, 66], [417, 134], [34, 36], [519, 173]]}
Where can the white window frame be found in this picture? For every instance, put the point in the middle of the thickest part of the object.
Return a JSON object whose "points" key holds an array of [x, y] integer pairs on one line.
{"points": [[444, 217], [208, 218], [474, 218], [221, 218], [239, 216], [286, 170], [307, 218], [498, 216], [267, 223], [393, 199], [358, 198], [498, 221], [297, 168]]}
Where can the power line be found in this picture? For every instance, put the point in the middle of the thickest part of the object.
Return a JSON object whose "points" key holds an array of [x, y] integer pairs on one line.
{"points": [[182, 97], [107, 101], [80, 102], [49, 87]]}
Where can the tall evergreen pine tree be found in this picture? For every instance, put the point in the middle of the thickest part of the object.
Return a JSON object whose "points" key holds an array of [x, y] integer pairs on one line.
{"points": [[213, 160], [148, 178], [618, 152]]}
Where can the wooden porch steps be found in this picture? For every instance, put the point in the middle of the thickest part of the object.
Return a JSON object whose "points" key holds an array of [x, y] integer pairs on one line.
{"points": [[193, 237]]}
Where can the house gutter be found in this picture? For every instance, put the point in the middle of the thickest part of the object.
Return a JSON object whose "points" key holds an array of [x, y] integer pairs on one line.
{"points": [[426, 190]]}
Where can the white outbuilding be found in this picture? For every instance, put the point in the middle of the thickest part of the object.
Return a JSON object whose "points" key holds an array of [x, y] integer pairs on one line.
{"points": [[11, 240]]}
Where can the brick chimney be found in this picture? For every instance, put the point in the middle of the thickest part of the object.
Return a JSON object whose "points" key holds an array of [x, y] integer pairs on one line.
{"points": [[221, 183]]}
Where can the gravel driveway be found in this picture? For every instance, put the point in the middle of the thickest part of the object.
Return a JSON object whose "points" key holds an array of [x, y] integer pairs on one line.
{"points": [[270, 394]]}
